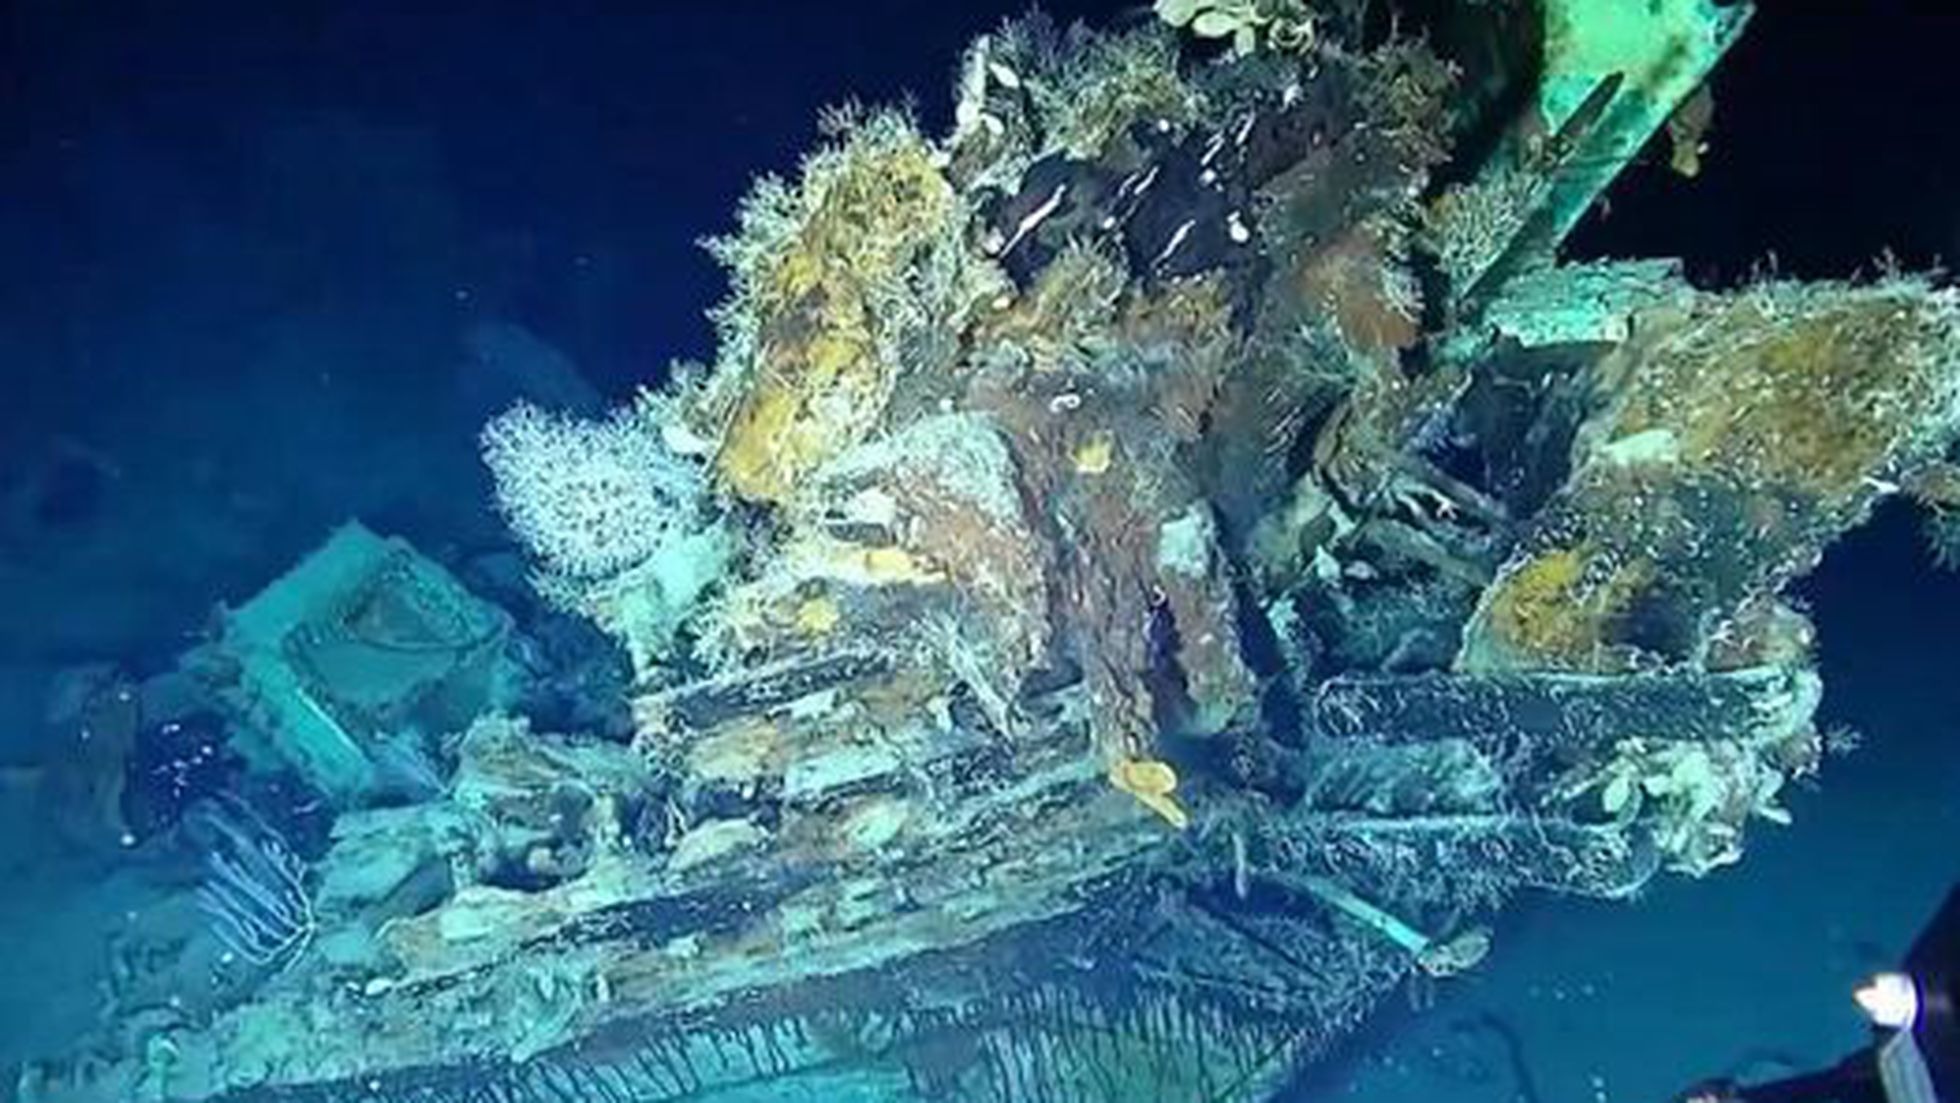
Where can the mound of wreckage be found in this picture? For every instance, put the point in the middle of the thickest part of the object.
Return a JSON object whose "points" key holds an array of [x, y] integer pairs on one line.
{"points": [[1149, 574]]}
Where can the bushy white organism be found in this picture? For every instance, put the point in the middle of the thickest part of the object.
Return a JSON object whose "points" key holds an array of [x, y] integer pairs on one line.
{"points": [[590, 498]]}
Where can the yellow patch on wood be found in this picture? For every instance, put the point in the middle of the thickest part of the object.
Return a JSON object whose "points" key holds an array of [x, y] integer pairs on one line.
{"points": [[817, 616], [1094, 456], [817, 383], [895, 564], [1557, 607]]}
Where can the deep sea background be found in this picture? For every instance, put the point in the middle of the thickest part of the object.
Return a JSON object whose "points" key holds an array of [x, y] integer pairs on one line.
{"points": [[264, 266]]}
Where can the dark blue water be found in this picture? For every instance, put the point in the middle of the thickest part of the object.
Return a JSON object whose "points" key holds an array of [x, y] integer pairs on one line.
{"points": [[266, 266]]}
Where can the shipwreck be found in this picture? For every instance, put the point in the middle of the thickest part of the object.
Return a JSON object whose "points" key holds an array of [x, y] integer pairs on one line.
{"points": [[1150, 573]]}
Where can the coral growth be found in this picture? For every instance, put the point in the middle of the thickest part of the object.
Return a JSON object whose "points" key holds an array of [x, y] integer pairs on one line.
{"points": [[590, 498], [854, 276]]}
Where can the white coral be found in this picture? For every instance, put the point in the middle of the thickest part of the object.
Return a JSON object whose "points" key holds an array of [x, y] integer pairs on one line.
{"points": [[590, 498]]}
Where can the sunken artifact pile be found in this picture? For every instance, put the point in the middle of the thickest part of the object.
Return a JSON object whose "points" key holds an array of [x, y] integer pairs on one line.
{"points": [[1149, 573]]}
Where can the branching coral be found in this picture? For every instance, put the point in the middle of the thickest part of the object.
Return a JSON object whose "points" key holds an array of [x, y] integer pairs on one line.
{"points": [[590, 498]]}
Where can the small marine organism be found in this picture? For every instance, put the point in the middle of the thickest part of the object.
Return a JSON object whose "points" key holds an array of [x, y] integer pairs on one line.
{"points": [[1280, 24], [1153, 784], [1443, 956], [1942, 528], [254, 890], [1936, 489]]}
